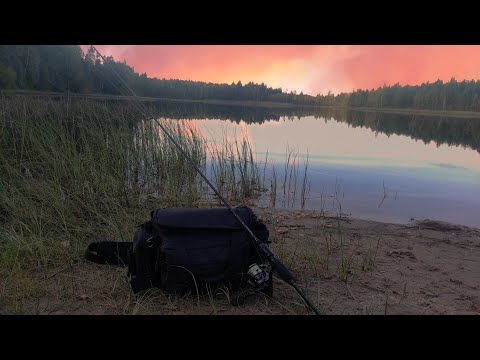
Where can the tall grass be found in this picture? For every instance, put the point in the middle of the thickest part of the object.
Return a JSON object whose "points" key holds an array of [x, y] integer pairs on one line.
{"points": [[273, 187], [234, 167], [304, 189], [75, 171], [294, 181]]}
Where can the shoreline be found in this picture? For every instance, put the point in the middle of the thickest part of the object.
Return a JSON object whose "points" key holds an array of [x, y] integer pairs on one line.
{"points": [[251, 103], [346, 266]]}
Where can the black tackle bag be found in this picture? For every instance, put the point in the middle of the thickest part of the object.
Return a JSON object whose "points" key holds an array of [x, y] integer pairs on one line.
{"points": [[181, 250]]}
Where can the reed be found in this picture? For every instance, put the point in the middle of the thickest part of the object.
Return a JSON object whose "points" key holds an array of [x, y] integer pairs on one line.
{"points": [[76, 171]]}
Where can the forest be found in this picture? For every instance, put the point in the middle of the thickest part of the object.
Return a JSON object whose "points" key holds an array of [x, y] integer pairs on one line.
{"points": [[67, 68]]}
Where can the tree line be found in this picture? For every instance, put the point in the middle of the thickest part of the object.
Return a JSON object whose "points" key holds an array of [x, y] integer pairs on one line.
{"points": [[63, 68]]}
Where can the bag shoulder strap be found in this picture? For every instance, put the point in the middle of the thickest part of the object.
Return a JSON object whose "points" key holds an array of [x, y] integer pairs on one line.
{"points": [[108, 252]]}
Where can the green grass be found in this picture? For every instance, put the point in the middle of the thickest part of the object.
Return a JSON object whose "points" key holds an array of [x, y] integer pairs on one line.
{"points": [[76, 171], [294, 183], [234, 168], [370, 256]]}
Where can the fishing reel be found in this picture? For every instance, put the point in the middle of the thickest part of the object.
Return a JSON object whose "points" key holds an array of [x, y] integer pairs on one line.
{"points": [[257, 275], [259, 280]]}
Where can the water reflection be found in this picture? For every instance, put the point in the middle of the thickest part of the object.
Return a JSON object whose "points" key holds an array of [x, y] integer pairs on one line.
{"points": [[455, 131], [430, 166]]}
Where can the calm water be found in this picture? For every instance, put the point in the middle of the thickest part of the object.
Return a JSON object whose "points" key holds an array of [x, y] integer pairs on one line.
{"points": [[427, 167]]}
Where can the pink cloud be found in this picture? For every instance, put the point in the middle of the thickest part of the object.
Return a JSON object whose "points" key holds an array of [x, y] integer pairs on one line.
{"points": [[309, 68]]}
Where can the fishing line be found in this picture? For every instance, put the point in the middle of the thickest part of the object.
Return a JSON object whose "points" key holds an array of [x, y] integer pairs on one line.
{"points": [[274, 262]]}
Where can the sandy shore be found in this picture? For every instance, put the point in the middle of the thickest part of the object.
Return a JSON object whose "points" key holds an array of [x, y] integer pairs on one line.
{"points": [[346, 266], [424, 267]]}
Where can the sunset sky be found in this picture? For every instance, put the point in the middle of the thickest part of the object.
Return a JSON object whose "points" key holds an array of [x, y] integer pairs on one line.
{"points": [[312, 69]]}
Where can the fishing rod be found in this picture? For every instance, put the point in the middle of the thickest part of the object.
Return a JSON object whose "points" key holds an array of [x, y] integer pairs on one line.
{"points": [[276, 264]]}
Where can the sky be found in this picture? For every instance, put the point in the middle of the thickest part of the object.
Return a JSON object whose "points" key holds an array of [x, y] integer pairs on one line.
{"points": [[311, 69]]}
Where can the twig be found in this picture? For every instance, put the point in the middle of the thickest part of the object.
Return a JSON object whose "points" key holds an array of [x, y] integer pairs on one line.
{"points": [[353, 296], [384, 194], [59, 271]]}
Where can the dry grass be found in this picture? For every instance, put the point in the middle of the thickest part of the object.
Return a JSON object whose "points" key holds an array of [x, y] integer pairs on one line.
{"points": [[383, 277], [77, 171]]}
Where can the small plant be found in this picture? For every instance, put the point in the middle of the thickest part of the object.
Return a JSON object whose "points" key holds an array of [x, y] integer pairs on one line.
{"points": [[328, 248], [369, 258], [304, 190], [345, 267], [346, 262], [273, 187], [264, 169], [370, 309]]}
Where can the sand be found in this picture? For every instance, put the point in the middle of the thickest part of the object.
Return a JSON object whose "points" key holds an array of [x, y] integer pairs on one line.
{"points": [[424, 267], [346, 266]]}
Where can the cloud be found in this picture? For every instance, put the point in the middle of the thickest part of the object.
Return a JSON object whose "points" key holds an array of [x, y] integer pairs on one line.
{"points": [[374, 66], [309, 68]]}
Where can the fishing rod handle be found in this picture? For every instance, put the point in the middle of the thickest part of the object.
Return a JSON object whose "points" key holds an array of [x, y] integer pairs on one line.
{"points": [[277, 265], [281, 269]]}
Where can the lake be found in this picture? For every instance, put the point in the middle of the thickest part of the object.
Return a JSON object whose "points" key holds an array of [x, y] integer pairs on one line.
{"points": [[374, 166]]}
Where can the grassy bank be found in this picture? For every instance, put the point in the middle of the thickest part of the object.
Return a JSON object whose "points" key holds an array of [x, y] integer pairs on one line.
{"points": [[76, 171]]}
